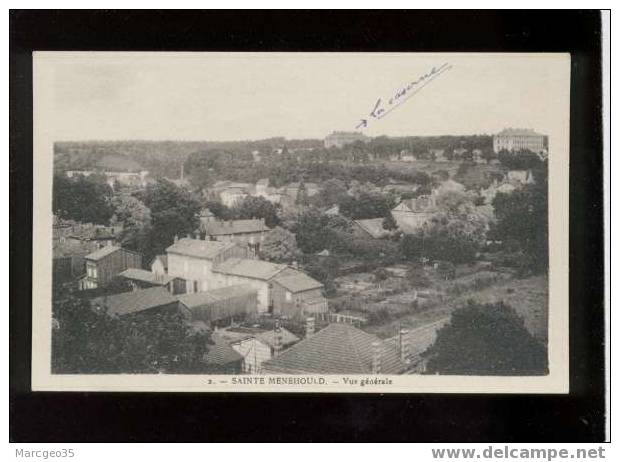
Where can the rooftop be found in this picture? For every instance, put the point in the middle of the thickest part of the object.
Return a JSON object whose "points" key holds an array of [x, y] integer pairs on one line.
{"points": [[255, 269], [268, 337], [295, 281], [134, 302], [220, 353], [199, 248], [420, 338], [337, 349], [163, 259], [103, 252], [373, 226], [217, 227], [203, 298], [138, 274]]}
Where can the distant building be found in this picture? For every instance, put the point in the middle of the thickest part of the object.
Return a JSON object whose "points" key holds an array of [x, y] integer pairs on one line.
{"points": [[233, 196], [520, 177], [69, 260], [518, 139], [245, 232], [135, 179], [338, 349], [340, 139], [105, 264], [412, 214]]}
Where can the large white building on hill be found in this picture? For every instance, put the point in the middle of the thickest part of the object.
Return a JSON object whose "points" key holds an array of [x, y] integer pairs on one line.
{"points": [[519, 139]]}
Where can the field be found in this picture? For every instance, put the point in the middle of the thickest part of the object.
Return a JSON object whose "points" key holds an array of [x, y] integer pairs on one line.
{"points": [[404, 300]]}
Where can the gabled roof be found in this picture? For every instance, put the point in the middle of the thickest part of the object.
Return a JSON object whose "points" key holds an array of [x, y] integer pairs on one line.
{"points": [[163, 259], [419, 204], [373, 226], [268, 337], [134, 302], [137, 274], [218, 228], [220, 353], [295, 281], [199, 248], [337, 349], [224, 293], [255, 269], [102, 252]]}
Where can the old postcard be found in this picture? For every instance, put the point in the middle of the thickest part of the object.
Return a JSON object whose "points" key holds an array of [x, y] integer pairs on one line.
{"points": [[301, 222]]}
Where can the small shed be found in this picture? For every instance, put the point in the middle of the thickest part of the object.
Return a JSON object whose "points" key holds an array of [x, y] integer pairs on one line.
{"points": [[219, 304]]}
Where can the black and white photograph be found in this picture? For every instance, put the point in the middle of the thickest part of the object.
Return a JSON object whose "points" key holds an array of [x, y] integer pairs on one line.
{"points": [[314, 221]]}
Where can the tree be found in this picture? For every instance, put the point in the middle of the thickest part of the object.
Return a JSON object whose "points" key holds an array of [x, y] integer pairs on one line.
{"points": [[257, 207], [486, 339], [174, 212], [219, 210], [332, 192], [367, 205], [389, 223], [89, 341], [135, 217], [312, 231], [83, 199], [522, 222], [279, 245], [302, 195]]}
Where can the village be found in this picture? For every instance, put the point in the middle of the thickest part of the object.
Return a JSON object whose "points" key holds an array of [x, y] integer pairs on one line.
{"points": [[314, 276]]}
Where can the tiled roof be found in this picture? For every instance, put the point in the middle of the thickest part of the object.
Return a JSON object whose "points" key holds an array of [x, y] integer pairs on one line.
{"points": [[255, 269], [220, 353], [296, 281], [138, 274], [337, 349], [373, 226], [134, 302], [199, 248], [218, 227], [103, 252], [203, 298]]}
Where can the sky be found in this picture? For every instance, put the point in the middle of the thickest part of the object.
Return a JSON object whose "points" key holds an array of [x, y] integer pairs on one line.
{"points": [[242, 96]]}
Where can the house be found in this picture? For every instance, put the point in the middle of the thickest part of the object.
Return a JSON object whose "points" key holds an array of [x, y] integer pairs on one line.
{"points": [[438, 155], [249, 233], [68, 261], [221, 358], [407, 156], [478, 157], [520, 177], [495, 187], [412, 214], [256, 345], [371, 227], [413, 343], [105, 264], [448, 186], [153, 300], [233, 196], [193, 260], [96, 236], [221, 304], [338, 349], [295, 294], [159, 266], [256, 273]]}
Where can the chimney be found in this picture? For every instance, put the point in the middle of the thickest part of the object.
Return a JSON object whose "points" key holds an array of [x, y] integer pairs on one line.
{"points": [[277, 337], [403, 342], [309, 327], [376, 357], [176, 238]]}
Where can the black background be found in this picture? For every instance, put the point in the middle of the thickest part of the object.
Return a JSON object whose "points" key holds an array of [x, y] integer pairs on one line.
{"points": [[150, 417]]}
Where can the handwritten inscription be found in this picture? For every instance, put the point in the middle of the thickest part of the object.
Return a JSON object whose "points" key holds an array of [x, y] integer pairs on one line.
{"points": [[383, 107]]}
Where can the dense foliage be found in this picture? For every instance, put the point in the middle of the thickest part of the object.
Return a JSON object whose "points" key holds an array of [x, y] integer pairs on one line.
{"points": [[486, 339], [83, 199]]}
